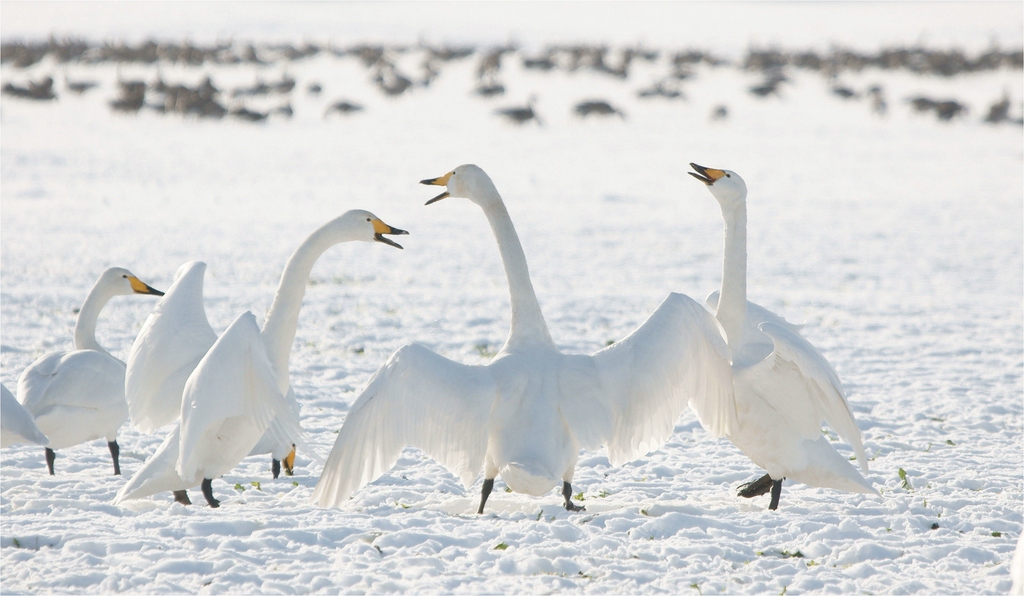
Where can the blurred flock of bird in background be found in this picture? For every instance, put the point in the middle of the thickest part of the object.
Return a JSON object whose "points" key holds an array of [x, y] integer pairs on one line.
{"points": [[402, 70]]}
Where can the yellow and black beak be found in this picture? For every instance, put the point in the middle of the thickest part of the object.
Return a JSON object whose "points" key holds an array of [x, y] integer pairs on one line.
{"points": [[141, 288], [442, 181], [380, 228], [289, 461], [706, 175]]}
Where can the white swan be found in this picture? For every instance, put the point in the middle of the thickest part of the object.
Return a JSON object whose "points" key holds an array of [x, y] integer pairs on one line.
{"points": [[78, 396], [174, 338], [16, 423], [526, 414], [784, 387], [240, 385]]}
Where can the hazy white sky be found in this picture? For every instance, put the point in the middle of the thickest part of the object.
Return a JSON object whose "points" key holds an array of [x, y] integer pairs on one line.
{"points": [[728, 27]]}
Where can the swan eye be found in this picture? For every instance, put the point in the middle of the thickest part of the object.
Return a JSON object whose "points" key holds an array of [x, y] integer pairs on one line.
{"points": [[728, 175], [367, 219], [124, 276]]}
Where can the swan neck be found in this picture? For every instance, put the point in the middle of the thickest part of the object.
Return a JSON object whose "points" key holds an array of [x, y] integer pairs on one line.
{"points": [[85, 326], [527, 320], [283, 317], [732, 302]]}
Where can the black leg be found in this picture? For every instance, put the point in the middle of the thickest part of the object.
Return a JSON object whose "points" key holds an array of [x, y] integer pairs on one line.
{"points": [[115, 453], [208, 493], [181, 496], [567, 493], [275, 467], [486, 492], [50, 456], [758, 487], [776, 493]]}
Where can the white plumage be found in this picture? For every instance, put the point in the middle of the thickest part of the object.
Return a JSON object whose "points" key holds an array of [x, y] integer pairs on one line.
{"points": [[16, 423], [784, 387], [78, 396], [173, 340], [526, 414]]}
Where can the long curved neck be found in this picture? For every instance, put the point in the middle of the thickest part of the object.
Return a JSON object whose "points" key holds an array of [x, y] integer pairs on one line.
{"points": [[527, 321], [283, 317], [732, 302], [85, 326]]}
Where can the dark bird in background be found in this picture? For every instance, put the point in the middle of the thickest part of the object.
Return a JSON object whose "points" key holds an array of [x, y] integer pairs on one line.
{"points": [[1000, 110], [521, 115], [342, 107], [721, 112], [597, 108], [41, 91]]}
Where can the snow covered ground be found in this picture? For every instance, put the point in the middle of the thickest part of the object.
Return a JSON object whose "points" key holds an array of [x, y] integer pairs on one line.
{"points": [[897, 239]]}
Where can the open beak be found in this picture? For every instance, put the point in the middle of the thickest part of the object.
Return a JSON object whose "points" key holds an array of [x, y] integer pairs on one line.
{"points": [[140, 288], [706, 175], [441, 181], [380, 228]]}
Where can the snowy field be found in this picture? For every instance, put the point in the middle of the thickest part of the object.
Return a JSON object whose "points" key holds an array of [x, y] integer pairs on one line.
{"points": [[897, 239]]}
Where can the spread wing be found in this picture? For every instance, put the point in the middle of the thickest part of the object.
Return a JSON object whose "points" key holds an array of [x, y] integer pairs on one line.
{"points": [[228, 401], [173, 340], [631, 393], [807, 388], [417, 398]]}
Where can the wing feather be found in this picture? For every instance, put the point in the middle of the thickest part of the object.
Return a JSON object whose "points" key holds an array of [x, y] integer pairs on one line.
{"points": [[820, 381], [173, 340], [638, 387], [228, 401], [417, 398]]}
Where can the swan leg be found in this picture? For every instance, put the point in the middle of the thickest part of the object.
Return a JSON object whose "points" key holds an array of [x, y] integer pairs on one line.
{"points": [[275, 467], [208, 493], [567, 493], [50, 456], [181, 496], [484, 493], [776, 493], [115, 454], [758, 487]]}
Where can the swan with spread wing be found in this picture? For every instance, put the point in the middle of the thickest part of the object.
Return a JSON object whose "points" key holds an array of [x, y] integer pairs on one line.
{"points": [[783, 386], [174, 338], [239, 389], [526, 414]]}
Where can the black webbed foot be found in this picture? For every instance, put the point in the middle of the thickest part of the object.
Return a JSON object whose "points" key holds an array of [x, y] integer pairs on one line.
{"points": [[567, 493], [486, 492], [115, 454], [758, 487], [208, 493], [50, 457], [181, 496]]}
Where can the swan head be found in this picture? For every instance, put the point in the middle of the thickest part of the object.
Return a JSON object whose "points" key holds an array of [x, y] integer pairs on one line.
{"points": [[123, 282], [725, 185], [363, 225], [466, 181]]}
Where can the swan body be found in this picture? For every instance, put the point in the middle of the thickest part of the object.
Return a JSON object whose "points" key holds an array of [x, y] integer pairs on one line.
{"points": [[78, 396], [784, 388], [173, 340], [16, 423], [526, 414], [241, 385]]}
